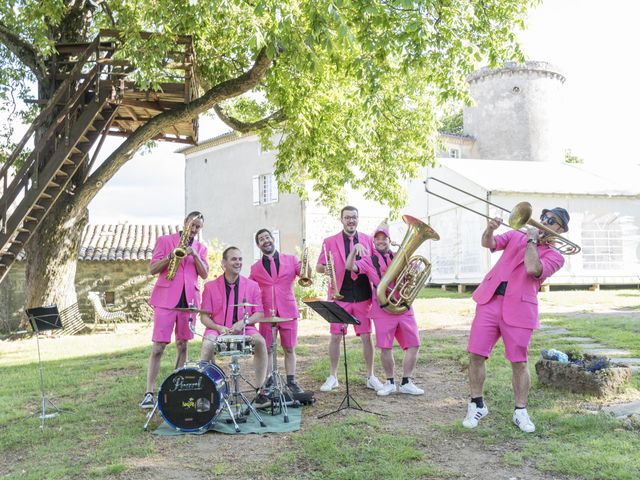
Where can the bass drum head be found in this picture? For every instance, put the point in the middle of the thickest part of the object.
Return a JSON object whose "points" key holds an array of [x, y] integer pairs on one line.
{"points": [[190, 398]]}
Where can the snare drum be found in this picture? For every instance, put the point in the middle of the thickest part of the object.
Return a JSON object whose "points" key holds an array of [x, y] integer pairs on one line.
{"points": [[191, 397], [229, 345]]}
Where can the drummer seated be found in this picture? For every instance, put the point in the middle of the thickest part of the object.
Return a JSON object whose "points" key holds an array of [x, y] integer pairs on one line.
{"points": [[236, 306]]}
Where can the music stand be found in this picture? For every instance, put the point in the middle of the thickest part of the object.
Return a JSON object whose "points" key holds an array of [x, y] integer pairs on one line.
{"points": [[334, 313], [41, 319]]}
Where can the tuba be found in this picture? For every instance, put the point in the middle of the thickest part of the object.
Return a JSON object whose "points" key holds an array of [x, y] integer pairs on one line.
{"points": [[304, 281], [408, 273], [181, 250], [330, 271]]}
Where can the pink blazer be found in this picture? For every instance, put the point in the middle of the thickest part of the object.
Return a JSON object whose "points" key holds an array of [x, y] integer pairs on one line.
{"points": [[335, 245], [214, 298], [279, 288], [520, 305], [166, 293]]}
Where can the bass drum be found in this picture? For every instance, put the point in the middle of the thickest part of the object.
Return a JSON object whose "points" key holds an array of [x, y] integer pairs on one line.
{"points": [[191, 397]]}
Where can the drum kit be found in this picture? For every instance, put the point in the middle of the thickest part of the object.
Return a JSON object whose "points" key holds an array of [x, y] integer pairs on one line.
{"points": [[194, 397]]}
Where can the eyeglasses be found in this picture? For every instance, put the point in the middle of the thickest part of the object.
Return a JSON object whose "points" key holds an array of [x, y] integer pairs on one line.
{"points": [[349, 218], [550, 220]]}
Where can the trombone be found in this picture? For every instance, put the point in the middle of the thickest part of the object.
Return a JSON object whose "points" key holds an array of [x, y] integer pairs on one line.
{"points": [[518, 218]]}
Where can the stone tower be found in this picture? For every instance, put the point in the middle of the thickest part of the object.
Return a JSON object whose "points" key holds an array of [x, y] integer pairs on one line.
{"points": [[517, 113]]}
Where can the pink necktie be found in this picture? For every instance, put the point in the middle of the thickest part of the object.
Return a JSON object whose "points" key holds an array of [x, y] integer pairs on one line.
{"points": [[353, 275], [272, 267], [228, 319]]}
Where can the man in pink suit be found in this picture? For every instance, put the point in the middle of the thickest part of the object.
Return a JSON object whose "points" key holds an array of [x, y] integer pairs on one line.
{"points": [[403, 326], [183, 291], [275, 273], [356, 293], [221, 297], [507, 307]]}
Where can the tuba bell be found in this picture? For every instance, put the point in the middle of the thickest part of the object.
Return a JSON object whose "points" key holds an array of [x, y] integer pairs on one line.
{"points": [[407, 273]]}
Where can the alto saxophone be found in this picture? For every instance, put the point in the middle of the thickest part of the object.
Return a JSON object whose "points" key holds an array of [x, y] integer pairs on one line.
{"points": [[330, 271], [304, 280], [180, 251]]}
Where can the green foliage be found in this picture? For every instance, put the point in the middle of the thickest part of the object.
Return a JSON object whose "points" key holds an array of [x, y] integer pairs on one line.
{"points": [[359, 82], [452, 123], [570, 157], [214, 258]]}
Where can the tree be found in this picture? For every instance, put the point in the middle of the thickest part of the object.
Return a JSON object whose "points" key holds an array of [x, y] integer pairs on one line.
{"points": [[351, 87]]}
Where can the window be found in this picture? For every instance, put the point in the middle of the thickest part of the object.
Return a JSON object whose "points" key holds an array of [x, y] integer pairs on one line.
{"points": [[602, 243], [454, 153], [265, 189]]}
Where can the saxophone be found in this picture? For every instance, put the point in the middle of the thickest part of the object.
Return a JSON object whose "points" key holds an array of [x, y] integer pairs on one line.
{"points": [[180, 251], [305, 281], [330, 271]]}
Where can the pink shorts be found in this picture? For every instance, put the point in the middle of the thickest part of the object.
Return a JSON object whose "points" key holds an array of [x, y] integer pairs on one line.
{"points": [[401, 327], [488, 326], [166, 321], [360, 310], [288, 332]]}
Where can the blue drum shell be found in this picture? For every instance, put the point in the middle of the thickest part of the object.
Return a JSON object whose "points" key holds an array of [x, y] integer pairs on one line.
{"points": [[191, 397]]}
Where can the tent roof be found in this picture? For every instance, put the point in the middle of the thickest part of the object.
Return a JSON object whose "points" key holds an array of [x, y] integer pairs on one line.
{"points": [[547, 177]]}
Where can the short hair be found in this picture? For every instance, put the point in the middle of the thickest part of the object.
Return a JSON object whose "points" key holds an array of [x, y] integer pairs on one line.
{"points": [[226, 250], [261, 231], [348, 207], [194, 214]]}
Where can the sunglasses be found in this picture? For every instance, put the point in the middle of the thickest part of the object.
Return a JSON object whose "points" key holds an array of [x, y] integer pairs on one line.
{"points": [[550, 220]]}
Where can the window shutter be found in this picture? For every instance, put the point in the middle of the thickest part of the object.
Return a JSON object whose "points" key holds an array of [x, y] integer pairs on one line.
{"points": [[256, 189]]}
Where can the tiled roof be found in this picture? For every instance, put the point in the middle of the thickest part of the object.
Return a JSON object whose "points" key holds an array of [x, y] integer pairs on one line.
{"points": [[121, 242]]}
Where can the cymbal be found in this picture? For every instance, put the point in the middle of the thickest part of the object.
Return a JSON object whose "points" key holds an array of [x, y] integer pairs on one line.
{"points": [[274, 320], [244, 304], [191, 310]]}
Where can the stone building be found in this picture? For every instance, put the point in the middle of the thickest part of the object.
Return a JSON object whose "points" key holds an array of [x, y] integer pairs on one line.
{"points": [[113, 260]]}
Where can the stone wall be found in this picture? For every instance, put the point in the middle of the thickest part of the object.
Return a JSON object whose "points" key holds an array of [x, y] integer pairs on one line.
{"points": [[129, 281]]}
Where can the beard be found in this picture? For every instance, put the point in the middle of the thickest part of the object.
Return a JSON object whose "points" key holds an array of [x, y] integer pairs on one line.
{"points": [[268, 250]]}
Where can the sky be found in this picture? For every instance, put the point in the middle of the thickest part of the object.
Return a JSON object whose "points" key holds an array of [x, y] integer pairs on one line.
{"points": [[593, 43]]}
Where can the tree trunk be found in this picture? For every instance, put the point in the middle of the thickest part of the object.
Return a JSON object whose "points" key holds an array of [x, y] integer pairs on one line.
{"points": [[52, 255]]}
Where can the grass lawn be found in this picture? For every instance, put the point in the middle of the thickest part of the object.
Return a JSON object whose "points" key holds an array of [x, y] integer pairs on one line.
{"points": [[99, 434]]}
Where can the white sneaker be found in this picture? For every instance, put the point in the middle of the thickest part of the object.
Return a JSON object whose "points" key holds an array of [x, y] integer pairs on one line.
{"points": [[411, 389], [330, 383], [474, 414], [522, 420], [373, 383], [387, 389]]}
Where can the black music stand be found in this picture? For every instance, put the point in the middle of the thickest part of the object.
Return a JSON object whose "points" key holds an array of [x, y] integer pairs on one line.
{"points": [[334, 313], [41, 319]]}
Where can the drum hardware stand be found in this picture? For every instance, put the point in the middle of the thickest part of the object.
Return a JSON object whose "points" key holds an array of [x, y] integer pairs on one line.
{"points": [[44, 318], [238, 399], [279, 387]]}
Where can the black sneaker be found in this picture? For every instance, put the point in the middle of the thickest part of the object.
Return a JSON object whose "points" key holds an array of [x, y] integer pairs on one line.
{"points": [[147, 401], [295, 388], [261, 401]]}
